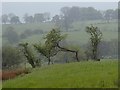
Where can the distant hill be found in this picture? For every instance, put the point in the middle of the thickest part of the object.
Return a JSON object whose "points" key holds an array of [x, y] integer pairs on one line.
{"points": [[75, 34]]}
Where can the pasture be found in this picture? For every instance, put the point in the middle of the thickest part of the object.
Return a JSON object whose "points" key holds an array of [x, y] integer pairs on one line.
{"points": [[91, 74], [76, 34]]}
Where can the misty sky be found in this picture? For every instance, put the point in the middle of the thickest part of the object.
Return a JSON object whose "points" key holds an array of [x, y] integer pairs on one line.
{"points": [[20, 8]]}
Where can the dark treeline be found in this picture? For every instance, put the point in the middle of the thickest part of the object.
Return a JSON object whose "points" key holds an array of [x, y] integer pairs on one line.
{"points": [[68, 15], [11, 18]]}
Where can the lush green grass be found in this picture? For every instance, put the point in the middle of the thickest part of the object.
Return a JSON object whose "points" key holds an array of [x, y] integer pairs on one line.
{"points": [[103, 74]]}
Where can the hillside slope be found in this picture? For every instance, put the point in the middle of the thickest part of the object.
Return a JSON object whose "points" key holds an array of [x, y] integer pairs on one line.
{"points": [[76, 34], [72, 75]]}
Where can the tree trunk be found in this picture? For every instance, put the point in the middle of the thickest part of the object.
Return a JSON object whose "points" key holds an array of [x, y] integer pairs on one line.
{"points": [[32, 63], [77, 56], [33, 66], [49, 60], [68, 50], [95, 54]]}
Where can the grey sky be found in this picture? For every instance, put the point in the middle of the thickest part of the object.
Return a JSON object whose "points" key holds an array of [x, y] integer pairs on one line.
{"points": [[20, 8]]}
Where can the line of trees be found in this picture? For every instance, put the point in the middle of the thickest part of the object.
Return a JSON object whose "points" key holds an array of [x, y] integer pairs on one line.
{"points": [[52, 45], [95, 39], [12, 56], [37, 18], [67, 16], [71, 14], [10, 18], [53, 39]]}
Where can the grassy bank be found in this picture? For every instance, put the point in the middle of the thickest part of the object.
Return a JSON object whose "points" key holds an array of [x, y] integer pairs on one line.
{"points": [[72, 75]]}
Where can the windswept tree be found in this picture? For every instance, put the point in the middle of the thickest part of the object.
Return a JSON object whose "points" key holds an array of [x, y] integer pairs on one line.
{"points": [[45, 51], [96, 36], [28, 54], [49, 49], [52, 45]]}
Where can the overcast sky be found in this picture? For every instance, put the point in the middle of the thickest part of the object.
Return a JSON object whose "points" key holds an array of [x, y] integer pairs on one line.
{"points": [[20, 8]]}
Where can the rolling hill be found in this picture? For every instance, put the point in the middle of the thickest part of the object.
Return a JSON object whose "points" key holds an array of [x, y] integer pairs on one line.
{"points": [[91, 74]]}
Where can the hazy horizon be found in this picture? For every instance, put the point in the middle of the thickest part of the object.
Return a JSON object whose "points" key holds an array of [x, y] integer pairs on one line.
{"points": [[20, 8]]}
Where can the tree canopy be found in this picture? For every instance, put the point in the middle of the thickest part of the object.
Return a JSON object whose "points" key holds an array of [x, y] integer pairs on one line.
{"points": [[96, 36]]}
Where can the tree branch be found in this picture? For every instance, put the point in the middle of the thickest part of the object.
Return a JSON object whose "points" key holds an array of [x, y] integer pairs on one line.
{"points": [[68, 50]]}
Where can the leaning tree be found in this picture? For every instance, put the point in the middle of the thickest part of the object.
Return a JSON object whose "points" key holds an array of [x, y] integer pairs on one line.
{"points": [[95, 39], [52, 45], [28, 54]]}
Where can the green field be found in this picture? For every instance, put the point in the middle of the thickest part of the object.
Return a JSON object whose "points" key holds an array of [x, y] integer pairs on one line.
{"points": [[103, 74], [80, 37], [109, 30], [22, 27]]}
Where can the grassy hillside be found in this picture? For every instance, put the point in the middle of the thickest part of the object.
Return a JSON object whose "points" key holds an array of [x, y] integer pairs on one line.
{"points": [[22, 27], [76, 34], [80, 37], [72, 75]]}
